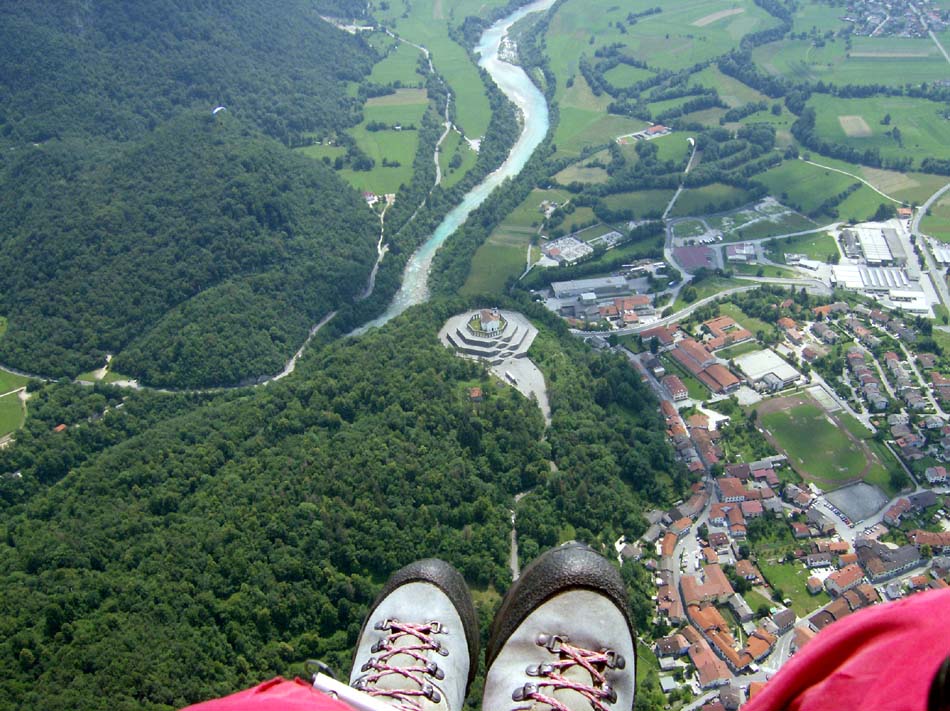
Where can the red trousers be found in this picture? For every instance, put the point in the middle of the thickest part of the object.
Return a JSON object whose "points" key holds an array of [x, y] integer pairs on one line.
{"points": [[275, 695]]}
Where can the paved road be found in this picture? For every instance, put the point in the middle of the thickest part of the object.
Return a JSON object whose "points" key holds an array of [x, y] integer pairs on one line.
{"points": [[936, 276]]}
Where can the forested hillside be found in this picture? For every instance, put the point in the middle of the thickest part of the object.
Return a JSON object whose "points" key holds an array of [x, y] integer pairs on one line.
{"points": [[196, 247], [118, 69], [223, 541]]}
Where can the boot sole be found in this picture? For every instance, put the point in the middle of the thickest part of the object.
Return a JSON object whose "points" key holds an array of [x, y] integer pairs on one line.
{"points": [[443, 576], [569, 567]]}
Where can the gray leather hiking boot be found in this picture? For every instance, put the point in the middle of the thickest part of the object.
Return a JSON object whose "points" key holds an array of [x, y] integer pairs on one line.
{"points": [[418, 647], [562, 639]]}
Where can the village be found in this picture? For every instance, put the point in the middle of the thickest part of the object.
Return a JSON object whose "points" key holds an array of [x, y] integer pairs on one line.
{"points": [[897, 18], [770, 549]]}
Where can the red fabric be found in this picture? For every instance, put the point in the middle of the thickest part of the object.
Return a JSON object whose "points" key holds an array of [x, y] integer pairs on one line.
{"points": [[275, 695], [882, 658]]}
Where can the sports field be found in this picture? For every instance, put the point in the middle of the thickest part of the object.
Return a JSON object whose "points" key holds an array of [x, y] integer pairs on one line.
{"points": [[819, 447]]}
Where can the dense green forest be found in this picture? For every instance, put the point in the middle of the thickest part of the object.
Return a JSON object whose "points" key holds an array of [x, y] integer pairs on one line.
{"points": [[116, 70], [167, 548], [197, 248], [199, 265]]}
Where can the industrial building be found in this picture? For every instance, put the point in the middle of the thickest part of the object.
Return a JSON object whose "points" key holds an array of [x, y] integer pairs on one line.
{"points": [[605, 286], [766, 370]]}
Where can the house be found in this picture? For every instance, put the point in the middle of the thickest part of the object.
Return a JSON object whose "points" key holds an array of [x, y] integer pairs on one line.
{"points": [[843, 580], [784, 620], [715, 586], [674, 386], [741, 608], [814, 585], [59, 428], [475, 394], [936, 476], [746, 569], [681, 527], [882, 562], [938, 542], [673, 646], [751, 509], [712, 671], [731, 490], [892, 517], [800, 530]]}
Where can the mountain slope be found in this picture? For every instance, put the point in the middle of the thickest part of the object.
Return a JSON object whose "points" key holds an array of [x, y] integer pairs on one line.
{"points": [[196, 247]]}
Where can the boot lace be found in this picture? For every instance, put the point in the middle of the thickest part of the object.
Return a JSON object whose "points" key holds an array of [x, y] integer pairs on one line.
{"points": [[551, 675], [415, 641]]}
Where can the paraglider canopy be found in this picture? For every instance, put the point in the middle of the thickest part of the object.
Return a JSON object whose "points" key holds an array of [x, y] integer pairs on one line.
{"points": [[218, 110]]}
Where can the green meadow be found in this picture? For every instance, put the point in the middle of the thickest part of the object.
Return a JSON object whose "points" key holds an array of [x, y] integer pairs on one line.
{"points": [[871, 60]]}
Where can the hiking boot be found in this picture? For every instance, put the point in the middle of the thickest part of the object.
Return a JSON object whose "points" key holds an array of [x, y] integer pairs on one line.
{"points": [[418, 647], [562, 639]]}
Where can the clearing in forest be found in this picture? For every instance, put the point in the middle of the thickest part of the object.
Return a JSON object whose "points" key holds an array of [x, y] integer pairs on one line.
{"points": [[854, 126], [711, 18]]}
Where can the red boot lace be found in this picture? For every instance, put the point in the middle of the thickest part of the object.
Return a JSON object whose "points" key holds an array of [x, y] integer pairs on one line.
{"points": [[551, 675], [407, 699]]}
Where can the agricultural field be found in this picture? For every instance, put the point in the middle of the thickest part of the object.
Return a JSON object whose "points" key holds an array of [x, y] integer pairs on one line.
{"points": [[642, 202], [805, 187], [502, 256], [819, 448], [425, 22], [708, 199], [732, 91], [858, 123], [584, 172], [878, 60], [820, 247], [910, 187], [624, 75], [937, 221], [406, 108], [399, 65]]}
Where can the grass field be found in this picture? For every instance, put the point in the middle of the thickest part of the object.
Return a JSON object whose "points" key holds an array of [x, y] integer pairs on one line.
{"points": [[817, 447], [707, 199], [709, 287], [12, 413], [819, 246], [878, 60], [452, 145], [624, 75], [750, 322], [426, 23], [581, 128], [643, 202], [805, 187], [580, 173], [937, 221], [732, 91], [405, 107], [502, 256], [792, 580], [924, 131], [9, 381], [399, 65], [688, 228]]}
